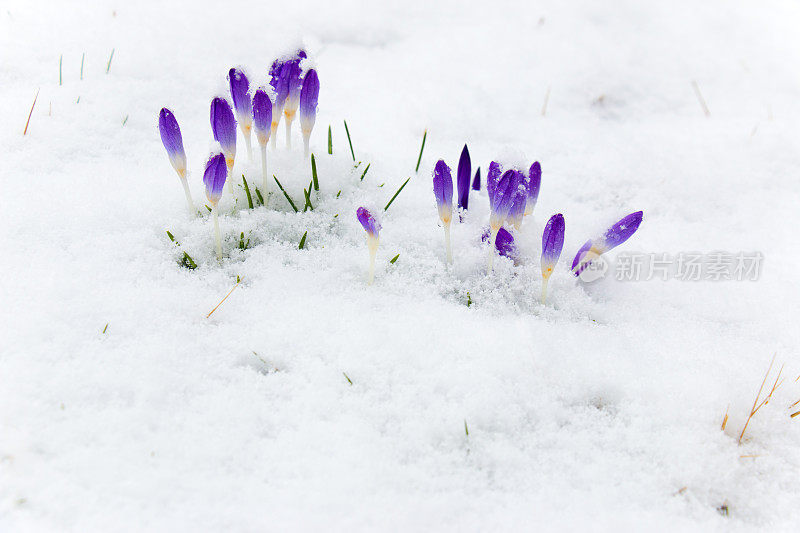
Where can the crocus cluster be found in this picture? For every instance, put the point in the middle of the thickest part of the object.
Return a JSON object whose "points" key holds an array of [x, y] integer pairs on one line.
{"points": [[513, 193], [291, 92], [289, 89]]}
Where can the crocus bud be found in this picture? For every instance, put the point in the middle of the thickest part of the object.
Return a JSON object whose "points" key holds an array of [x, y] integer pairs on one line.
{"points": [[443, 191], [262, 116], [462, 178], [504, 243], [552, 243], [240, 92], [308, 105], [173, 142], [535, 177], [492, 177], [618, 233], [223, 125], [293, 84], [214, 177], [308, 101], [373, 228], [517, 210], [279, 82], [476, 183], [506, 193]]}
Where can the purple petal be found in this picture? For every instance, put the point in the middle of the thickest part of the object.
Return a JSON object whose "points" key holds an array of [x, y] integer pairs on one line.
{"points": [[476, 183], [505, 195], [293, 83], [535, 175], [552, 243], [223, 125], [579, 257], [443, 190], [621, 231], [214, 177], [368, 221], [308, 101], [492, 177], [262, 115], [172, 140], [520, 199], [462, 178], [503, 243], [240, 92]]}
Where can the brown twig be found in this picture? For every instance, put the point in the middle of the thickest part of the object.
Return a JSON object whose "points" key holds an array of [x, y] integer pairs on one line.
{"points": [[546, 99], [725, 420], [238, 282], [31, 112]]}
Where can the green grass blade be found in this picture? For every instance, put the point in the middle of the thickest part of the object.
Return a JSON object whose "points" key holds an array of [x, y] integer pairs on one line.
{"points": [[393, 259], [285, 193], [350, 142], [108, 67], [83, 56], [421, 149], [314, 173], [303, 241], [247, 191], [365, 172], [260, 198], [330, 141], [395, 194]]}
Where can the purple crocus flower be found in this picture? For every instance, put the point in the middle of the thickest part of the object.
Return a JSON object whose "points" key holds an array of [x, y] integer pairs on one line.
{"points": [[214, 177], [214, 180], [223, 125], [507, 193], [280, 85], [373, 228], [308, 105], [262, 120], [552, 244], [504, 243], [476, 183], [262, 116], [293, 83], [462, 178], [492, 177], [172, 140], [535, 177], [443, 191], [517, 210], [240, 92], [618, 233]]}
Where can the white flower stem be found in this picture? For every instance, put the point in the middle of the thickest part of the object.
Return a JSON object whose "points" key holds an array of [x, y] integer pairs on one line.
{"points": [[372, 244], [288, 133], [217, 237], [249, 147], [274, 133], [306, 139], [447, 242], [544, 289], [189, 201], [264, 166], [492, 242]]}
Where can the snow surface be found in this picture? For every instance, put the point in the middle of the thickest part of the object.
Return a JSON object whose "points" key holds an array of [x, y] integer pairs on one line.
{"points": [[600, 411]]}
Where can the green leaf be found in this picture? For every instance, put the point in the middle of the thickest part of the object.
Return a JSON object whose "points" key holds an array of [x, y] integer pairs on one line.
{"points": [[393, 259], [421, 148], [303, 241], [347, 130], [395, 194], [314, 173], [330, 141], [285, 193], [365, 172], [260, 198], [247, 191], [171, 237]]}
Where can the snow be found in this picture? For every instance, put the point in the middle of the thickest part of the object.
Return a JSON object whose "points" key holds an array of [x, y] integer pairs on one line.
{"points": [[598, 411]]}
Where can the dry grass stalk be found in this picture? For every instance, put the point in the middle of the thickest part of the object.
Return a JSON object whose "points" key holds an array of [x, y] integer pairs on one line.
{"points": [[238, 282], [756, 404]]}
